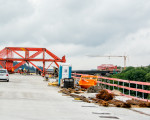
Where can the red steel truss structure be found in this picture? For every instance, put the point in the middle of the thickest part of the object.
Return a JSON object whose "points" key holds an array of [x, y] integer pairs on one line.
{"points": [[7, 57]]}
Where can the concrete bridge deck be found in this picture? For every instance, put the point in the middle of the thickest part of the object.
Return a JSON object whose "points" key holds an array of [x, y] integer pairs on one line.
{"points": [[29, 98]]}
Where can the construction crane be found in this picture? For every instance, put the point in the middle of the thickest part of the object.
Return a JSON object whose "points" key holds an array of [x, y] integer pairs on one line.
{"points": [[125, 58]]}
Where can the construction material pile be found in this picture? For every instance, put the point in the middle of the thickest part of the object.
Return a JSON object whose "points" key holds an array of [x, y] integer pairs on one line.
{"points": [[112, 103], [71, 92], [119, 103], [106, 99], [94, 89], [103, 98], [139, 103], [100, 102], [104, 95]]}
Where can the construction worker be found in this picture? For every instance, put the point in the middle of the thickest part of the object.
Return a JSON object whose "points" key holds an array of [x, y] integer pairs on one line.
{"points": [[24, 70], [12, 70]]}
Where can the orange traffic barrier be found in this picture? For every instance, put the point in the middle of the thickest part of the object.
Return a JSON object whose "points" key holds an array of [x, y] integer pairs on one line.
{"points": [[87, 81]]}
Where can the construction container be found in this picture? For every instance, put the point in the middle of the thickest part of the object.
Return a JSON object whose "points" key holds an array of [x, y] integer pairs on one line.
{"points": [[68, 83], [87, 81]]}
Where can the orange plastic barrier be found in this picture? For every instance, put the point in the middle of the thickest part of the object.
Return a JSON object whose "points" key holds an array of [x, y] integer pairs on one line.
{"points": [[87, 81]]}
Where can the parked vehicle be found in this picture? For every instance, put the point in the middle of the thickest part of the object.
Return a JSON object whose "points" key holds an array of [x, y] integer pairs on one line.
{"points": [[4, 75]]}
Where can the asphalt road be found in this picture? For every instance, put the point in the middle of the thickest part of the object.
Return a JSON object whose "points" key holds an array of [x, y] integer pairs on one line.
{"points": [[29, 98]]}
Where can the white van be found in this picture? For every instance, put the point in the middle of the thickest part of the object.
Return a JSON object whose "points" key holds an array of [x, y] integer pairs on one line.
{"points": [[4, 75]]}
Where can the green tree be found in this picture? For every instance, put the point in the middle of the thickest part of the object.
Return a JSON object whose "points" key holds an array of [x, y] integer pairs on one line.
{"points": [[135, 74]]}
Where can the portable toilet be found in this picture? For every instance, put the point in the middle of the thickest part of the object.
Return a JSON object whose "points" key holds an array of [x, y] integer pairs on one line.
{"points": [[64, 71]]}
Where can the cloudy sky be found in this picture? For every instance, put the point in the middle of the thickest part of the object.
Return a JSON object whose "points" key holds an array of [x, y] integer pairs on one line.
{"points": [[77, 28]]}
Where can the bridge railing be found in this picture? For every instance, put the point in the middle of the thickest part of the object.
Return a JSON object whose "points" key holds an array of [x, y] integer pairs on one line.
{"points": [[115, 83]]}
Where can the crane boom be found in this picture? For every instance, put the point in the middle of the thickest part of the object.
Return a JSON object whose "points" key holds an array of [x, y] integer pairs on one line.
{"points": [[125, 58]]}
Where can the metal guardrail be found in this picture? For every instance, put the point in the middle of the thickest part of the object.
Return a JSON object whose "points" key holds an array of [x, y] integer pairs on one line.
{"points": [[106, 81]]}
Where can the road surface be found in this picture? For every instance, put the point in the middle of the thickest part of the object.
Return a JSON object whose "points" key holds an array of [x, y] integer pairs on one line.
{"points": [[29, 98]]}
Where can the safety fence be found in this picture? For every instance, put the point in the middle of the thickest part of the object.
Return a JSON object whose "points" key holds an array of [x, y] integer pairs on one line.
{"points": [[114, 83]]}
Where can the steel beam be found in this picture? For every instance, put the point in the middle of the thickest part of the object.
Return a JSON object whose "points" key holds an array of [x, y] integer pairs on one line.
{"points": [[56, 64], [43, 62], [52, 55], [17, 53], [49, 66], [19, 64], [36, 66], [35, 54], [30, 59], [1, 63]]}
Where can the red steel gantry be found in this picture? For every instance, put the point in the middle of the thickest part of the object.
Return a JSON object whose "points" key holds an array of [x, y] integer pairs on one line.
{"points": [[7, 57]]}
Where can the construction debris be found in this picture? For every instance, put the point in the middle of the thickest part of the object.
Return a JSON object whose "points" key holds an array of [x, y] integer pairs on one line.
{"points": [[103, 98], [133, 102], [94, 89], [104, 95], [116, 92], [119, 103], [100, 102], [139, 103], [53, 84], [70, 92], [103, 103]]}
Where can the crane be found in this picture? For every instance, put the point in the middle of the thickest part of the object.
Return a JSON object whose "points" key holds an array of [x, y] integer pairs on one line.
{"points": [[125, 58]]}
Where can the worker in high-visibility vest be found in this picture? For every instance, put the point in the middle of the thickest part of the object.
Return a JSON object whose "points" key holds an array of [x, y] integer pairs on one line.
{"points": [[24, 70], [12, 69]]}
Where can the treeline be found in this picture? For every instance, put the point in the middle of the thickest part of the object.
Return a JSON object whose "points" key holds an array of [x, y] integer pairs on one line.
{"points": [[31, 68], [141, 74]]}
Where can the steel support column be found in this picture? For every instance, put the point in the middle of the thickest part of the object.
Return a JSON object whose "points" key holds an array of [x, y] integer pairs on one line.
{"points": [[43, 62]]}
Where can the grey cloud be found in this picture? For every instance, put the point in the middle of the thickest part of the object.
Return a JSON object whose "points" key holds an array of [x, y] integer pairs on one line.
{"points": [[78, 27], [13, 10], [87, 23]]}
